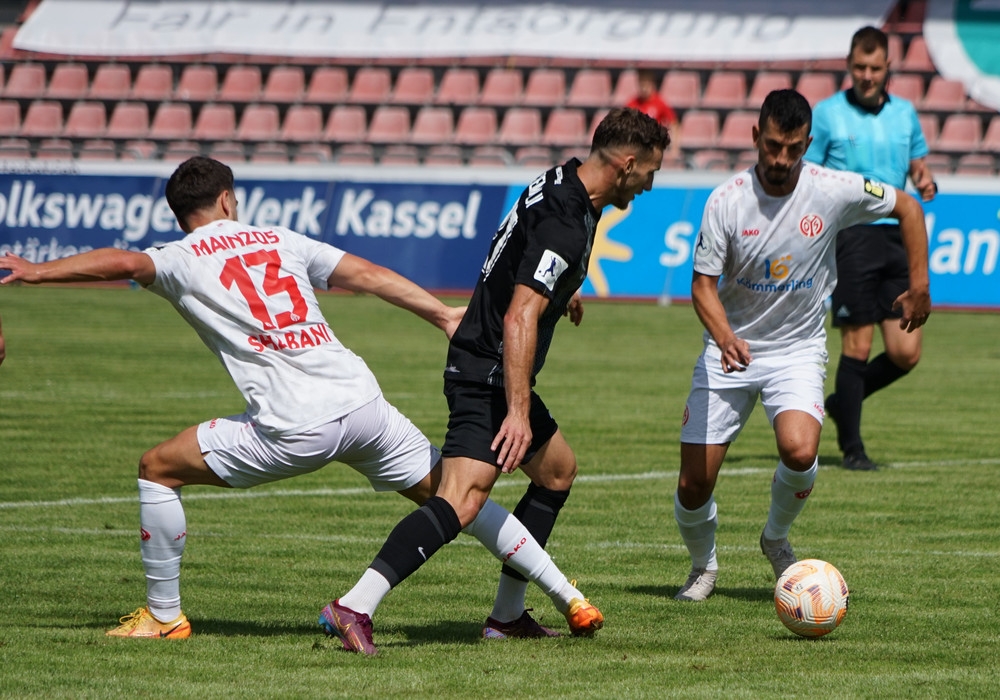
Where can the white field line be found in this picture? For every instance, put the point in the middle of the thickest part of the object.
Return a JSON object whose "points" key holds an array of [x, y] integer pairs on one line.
{"points": [[226, 494]]}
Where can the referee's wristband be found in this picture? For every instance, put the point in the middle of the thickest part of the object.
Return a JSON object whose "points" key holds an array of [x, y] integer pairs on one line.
{"points": [[934, 182]]}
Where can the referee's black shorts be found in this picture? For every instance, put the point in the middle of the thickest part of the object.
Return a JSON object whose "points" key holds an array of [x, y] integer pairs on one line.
{"points": [[476, 412], [871, 272]]}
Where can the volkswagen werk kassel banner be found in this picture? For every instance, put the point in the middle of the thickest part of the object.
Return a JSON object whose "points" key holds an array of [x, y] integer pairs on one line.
{"points": [[436, 228]]}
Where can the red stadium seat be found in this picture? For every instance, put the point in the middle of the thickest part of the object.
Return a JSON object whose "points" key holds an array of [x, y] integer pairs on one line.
{"points": [[176, 151], [10, 118], [918, 58], [960, 133], [944, 95], [763, 84], [228, 151], [816, 87], [930, 128], [284, 84], [736, 133], [909, 86], [400, 154], [270, 152], [565, 127], [69, 81], [42, 119], [241, 84], [414, 86], [626, 87], [502, 87], [138, 149], [154, 82], [14, 149], [389, 124], [302, 123], [432, 125], [476, 126], [491, 156], [215, 122], [328, 84], [112, 81], [98, 149], [313, 153], [710, 159], [443, 155], [991, 139], [699, 129], [129, 120], [198, 83], [346, 124], [86, 120], [546, 87], [681, 89], [725, 90], [26, 80], [371, 85], [173, 120], [520, 126], [590, 88], [979, 164], [459, 86], [55, 149], [259, 123], [534, 157], [355, 154]]}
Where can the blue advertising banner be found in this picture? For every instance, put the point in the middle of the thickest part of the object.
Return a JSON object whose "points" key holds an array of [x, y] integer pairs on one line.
{"points": [[435, 227]]}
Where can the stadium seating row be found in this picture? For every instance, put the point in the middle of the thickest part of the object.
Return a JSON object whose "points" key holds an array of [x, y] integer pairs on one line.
{"points": [[373, 85]]}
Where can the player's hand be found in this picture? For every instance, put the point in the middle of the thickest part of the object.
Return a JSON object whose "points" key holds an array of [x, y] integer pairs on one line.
{"points": [[735, 355], [455, 314], [916, 307], [513, 441], [20, 269], [575, 309]]}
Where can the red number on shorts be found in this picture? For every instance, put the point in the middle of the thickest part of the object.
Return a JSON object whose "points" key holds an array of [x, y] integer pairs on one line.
{"points": [[235, 272]]}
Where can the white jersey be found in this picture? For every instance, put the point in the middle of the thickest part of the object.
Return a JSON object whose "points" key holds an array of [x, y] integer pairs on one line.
{"points": [[248, 292], [777, 255]]}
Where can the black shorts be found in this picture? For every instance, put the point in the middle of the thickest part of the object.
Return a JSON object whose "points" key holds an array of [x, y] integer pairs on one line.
{"points": [[476, 412], [871, 272]]}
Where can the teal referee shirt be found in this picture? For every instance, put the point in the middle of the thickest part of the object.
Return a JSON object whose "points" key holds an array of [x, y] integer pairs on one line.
{"points": [[877, 143]]}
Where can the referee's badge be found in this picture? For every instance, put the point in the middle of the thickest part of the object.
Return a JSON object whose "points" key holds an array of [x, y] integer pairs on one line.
{"points": [[550, 268], [875, 188]]}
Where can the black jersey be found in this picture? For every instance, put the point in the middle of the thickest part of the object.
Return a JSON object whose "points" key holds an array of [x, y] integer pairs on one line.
{"points": [[544, 242]]}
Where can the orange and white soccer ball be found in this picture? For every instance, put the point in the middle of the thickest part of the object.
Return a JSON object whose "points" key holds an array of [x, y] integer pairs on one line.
{"points": [[811, 598]]}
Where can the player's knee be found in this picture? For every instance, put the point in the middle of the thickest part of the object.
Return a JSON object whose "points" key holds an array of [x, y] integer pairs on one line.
{"points": [[153, 466], [694, 490], [799, 458], [468, 508]]}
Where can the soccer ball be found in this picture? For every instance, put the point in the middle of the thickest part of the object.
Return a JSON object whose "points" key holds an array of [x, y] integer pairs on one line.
{"points": [[811, 598]]}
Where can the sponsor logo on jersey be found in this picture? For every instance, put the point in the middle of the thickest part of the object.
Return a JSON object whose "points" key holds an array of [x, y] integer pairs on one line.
{"points": [[703, 248], [875, 188], [550, 268], [811, 225], [777, 278], [777, 269], [751, 232]]}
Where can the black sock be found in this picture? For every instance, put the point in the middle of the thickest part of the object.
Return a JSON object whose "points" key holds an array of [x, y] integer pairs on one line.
{"points": [[850, 388], [880, 373], [415, 538], [537, 511]]}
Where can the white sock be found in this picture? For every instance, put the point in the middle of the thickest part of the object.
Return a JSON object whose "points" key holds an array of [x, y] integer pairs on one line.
{"points": [[509, 603], [162, 537], [789, 491], [510, 542], [367, 593], [698, 532]]}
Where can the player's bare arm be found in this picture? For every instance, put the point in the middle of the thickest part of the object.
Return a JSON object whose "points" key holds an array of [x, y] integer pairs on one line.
{"points": [[520, 337], [101, 265], [359, 275], [915, 302], [708, 306], [922, 179], [575, 309]]}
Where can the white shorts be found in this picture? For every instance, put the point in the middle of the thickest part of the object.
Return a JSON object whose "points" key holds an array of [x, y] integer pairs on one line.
{"points": [[720, 404], [376, 440]]}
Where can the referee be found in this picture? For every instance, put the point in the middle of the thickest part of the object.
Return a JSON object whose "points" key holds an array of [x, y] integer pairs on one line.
{"points": [[866, 130]]}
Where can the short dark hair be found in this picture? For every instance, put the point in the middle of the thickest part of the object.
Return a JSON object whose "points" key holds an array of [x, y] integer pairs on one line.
{"points": [[788, 109], [631, 128], [195, 185], [869, 40]]}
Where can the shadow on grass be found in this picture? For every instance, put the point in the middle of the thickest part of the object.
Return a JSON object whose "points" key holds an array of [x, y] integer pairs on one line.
{"points": [[231, 628], [762, 594]]}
